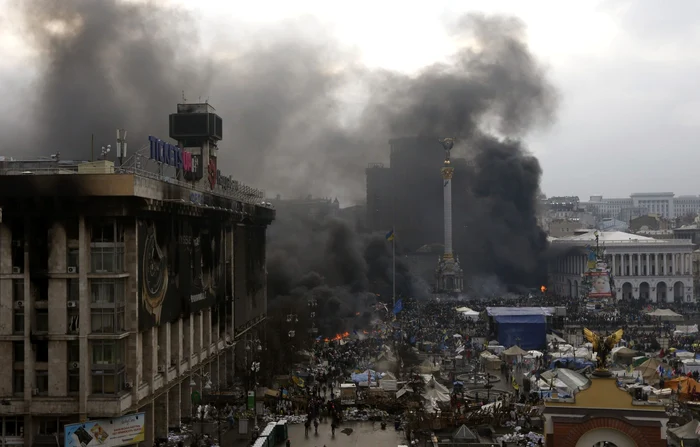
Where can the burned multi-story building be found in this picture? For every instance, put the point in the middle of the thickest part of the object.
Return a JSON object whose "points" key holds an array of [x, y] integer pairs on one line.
{"points": [[123, 291]]}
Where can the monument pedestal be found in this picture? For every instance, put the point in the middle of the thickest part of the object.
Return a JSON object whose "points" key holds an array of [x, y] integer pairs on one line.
{"points": [[449, 276]]}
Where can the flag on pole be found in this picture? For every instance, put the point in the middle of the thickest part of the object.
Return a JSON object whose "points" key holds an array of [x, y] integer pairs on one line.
{"points": [[398, 307], [390, 235]]}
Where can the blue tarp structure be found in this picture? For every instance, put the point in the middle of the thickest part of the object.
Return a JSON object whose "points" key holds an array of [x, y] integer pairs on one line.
{"points": [[571, 363], [513, 311], [363, 376], [526, 331]]}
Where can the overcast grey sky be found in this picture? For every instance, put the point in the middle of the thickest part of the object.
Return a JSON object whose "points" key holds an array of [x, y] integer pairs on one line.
{"points": [[628, 72]]}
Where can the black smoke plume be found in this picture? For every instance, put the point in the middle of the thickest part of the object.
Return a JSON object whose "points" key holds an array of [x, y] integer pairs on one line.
{"points": [[327, 261], [302, 115]]}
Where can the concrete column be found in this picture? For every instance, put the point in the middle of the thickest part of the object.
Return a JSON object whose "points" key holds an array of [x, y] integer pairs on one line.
{"points": [[84, 316], [665, 263], [206, 330], [29, 430], [6, 352], [614, 265], [185, 398], [58, 256], [683, 263], [131, 309], [6, 293], [150, 354], [28, 314], [197, 343], [58, 288], [214, 368], [648, 265], [223, 358], [149, 426], [161, 416], [188, 335], [58, 368], [5, 249], [176, 344], [622, 264], [163, 348], [174, 405], [230, 366], [656, 264]]}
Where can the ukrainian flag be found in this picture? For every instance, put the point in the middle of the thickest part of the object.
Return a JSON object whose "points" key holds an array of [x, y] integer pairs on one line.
{"points": [[390, 235]]}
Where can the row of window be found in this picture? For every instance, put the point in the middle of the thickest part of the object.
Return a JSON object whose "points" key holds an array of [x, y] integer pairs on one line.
{"points": [[107, 304], [102, 291], [104, 258], [102, 321], [108, 371]]}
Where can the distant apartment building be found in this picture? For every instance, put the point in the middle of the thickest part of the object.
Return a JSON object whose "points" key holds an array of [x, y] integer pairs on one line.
{"points": [[665, 204], [562, 203], [380, 198]]}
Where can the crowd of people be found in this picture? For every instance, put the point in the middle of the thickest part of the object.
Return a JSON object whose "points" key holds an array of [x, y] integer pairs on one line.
{"points": [[432, 331]]}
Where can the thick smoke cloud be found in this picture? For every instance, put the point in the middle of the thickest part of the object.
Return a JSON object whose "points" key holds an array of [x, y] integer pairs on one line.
{"points": [[302, 115], [329, 262], [496, 221]]}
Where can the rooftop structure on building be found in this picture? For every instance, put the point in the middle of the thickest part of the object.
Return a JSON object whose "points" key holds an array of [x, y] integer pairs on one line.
{"points": [[604, 414], [562, 203], [155, 284]]}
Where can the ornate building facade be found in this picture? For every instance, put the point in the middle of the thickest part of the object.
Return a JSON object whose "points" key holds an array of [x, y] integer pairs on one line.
{"points": [[643, 268]]}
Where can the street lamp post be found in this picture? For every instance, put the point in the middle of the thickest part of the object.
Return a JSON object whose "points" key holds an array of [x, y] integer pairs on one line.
{"points": [[254, 346], [313, 330], [106, 150]]}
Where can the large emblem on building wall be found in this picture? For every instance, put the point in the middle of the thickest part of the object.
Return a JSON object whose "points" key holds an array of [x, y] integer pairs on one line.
{"points": [[154, 274]]}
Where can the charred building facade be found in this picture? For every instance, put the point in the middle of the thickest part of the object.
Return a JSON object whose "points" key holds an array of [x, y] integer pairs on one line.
{"points": [[123, 291]]}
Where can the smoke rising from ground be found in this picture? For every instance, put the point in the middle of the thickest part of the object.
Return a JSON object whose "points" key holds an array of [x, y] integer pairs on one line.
{"points": [[302, 115], [327, 261]]}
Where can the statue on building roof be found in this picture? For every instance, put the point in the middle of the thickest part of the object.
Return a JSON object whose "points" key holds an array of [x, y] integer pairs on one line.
{"points": [[602, 347]]}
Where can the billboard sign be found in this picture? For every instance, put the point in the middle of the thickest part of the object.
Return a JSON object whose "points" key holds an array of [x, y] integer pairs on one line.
{"points": [[171, 155], [181, 265], [113, 432], [600, 285]]}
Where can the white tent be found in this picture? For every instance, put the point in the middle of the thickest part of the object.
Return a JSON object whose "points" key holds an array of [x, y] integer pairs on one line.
{"points": [[388, 382], [468, 313], [683, 330], [665, 314], [431, 383], [434, 394], [570, 380]]}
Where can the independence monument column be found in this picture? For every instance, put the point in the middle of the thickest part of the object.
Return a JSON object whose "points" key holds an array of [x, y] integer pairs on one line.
{"points": [[449, 275]]}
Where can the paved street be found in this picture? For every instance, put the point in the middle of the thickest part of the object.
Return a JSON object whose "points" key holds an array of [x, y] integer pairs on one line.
{"points": [[363, 434]]}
